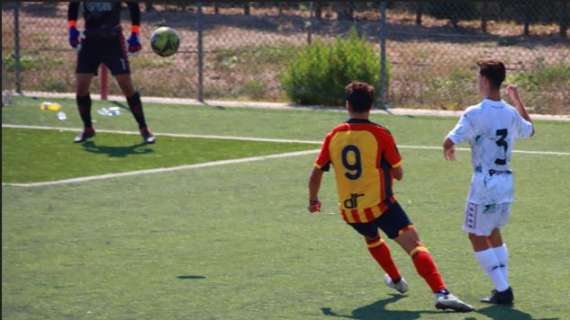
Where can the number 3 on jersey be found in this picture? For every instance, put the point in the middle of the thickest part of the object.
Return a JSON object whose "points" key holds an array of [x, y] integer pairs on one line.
{"points": [[352, 162], [502, 134]]}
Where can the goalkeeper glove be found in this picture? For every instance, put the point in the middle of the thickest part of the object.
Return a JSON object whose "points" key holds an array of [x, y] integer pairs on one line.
{"points": [[74, 35], [133, 41]]}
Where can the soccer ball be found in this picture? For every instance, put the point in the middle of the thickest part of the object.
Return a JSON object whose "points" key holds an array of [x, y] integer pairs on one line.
{"points": [[164, 41]]}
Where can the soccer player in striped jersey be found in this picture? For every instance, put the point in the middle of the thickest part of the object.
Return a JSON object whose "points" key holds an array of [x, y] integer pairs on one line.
{"points": [[366, 161], [103, 42], [491, 128]]}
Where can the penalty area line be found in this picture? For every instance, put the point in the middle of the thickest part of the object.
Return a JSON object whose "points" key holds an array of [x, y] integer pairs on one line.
{"points": [[255, 139], [162, 170]]}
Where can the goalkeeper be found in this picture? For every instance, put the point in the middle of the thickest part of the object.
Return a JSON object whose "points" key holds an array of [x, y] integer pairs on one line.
{"points": [[103, 42]]}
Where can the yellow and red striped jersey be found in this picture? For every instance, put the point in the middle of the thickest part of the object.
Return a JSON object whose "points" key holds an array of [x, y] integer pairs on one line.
{"points": [[362, 154]]}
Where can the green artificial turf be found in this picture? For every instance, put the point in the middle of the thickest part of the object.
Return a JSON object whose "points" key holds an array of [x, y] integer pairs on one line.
{"points": [[236, 242]]}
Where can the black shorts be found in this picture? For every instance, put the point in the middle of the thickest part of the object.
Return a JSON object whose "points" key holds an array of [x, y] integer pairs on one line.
{"points": [[111, 51], [391, 222]]}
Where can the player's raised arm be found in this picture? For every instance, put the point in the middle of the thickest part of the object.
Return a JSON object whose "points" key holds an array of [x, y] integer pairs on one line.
{"points": [[513, 93], [133, 41]]}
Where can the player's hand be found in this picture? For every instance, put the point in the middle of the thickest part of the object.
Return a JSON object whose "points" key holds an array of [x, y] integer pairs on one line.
{"points": [[513, 93], [314, 206], [449, 153], [74, 37], [134, 43]]}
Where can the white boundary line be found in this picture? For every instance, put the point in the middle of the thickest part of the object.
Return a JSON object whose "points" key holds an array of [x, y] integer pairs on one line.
{"points": [[162, 170], [174, 135], [212, 163], [238, 138]]}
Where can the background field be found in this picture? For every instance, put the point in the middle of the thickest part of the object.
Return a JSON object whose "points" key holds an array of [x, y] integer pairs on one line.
{"points": [[235, 241], [245, 55]]}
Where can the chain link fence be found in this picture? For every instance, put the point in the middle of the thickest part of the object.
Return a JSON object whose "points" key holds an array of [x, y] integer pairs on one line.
{"points": [[431, 47]]}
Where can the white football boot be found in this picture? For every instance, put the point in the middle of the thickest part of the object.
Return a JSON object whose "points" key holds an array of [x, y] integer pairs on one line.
{"points": [[401, 286], [447, 300]]}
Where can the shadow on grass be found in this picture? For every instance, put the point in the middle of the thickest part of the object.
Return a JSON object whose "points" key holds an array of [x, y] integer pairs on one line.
{"points": [[506, 313], [117, 152], [377, 310], [190, 277]]}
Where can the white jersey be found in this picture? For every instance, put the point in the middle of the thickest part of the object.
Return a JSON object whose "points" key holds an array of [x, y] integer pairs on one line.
{"points": [[491, 128]]}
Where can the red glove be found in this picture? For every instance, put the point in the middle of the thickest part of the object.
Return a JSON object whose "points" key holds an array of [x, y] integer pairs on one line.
{"points": [[314, 206]]}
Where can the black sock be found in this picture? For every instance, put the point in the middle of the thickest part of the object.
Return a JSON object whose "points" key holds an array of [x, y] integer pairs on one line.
{"points": [[84, 107], [135, 104]]}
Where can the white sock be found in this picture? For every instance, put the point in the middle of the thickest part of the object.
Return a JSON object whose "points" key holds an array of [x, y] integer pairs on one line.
{"points": [[490, 264], [503, 256]]}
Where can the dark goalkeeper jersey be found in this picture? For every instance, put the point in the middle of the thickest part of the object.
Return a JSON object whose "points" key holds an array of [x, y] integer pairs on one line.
{"points": [[103, 16]]}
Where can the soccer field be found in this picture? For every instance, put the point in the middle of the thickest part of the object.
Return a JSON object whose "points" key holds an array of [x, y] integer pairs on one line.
{"points": [[234, 240]]}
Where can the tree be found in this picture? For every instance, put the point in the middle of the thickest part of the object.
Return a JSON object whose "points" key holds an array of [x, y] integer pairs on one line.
{"points": [[148, 6], [564, 18], [454, 10], [419, 12], [345, 10]]}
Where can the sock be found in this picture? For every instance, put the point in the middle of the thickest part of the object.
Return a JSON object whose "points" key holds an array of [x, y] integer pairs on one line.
{"points": [[381, 253], [135, 104], [490, 265], [427, 269], [84, 107], [502, 255]]}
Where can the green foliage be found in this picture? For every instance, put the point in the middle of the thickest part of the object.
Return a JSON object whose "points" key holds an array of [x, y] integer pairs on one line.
{"points": [[26, 63], [455, 90], [541, 76], [320, 73], [254, 89]]}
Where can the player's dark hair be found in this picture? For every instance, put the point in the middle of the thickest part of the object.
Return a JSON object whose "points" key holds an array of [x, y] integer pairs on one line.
{"points": [[494, 71], [360, 95]]}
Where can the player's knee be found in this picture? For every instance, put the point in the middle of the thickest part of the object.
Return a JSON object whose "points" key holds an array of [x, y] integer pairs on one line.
{"points": [[373, 242]]}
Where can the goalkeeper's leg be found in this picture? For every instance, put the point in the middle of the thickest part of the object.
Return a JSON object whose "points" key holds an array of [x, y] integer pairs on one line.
{"points": [[135, 104], [84, 106]]}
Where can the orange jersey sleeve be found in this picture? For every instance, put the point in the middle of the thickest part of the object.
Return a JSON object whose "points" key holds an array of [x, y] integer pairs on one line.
{"points": [[390, 151], [324, 158]]}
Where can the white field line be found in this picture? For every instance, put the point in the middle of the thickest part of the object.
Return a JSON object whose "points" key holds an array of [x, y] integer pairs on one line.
{"points": [[238, 138], [162, 170], [175, 135]]}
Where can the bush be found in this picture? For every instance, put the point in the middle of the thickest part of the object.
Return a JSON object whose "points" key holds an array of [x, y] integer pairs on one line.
{"points": [[320, 73]]}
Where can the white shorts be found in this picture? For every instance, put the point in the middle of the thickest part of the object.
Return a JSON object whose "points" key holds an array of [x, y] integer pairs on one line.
{"points": [[482, 219]]}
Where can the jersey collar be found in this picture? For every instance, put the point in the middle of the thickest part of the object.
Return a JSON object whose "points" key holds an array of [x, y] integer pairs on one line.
{"points": [[356, 121], [493, 103]]}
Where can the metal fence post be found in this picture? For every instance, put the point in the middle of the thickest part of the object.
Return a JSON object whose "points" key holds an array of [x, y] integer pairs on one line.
{"points": [[17, 55], [200, 55], [309, 24], [383, 66]]}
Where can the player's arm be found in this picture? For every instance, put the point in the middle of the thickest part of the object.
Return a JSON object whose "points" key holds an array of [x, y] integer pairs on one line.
{"points": [[398, 173], [462, 131], [513, 93], [322, 164], [448, 149], [314, 186], [72, 15], [133, 41], [393, 157]]}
